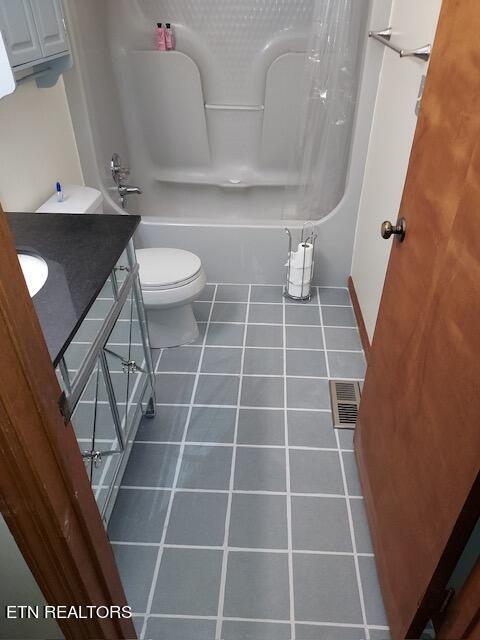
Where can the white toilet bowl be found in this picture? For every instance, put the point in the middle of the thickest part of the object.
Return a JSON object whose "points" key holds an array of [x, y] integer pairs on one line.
{"points": [[171, 279]]}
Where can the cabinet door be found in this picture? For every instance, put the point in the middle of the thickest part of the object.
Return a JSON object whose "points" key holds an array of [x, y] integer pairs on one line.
{"points": [[50, 26], [20, 34]]}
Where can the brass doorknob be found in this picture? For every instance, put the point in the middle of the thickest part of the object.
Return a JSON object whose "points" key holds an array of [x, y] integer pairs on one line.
{"points": [[400, 229]]}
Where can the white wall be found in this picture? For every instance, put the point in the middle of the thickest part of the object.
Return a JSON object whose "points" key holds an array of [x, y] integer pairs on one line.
{"points": [[414, 24], [18, 587], [37, 146]]}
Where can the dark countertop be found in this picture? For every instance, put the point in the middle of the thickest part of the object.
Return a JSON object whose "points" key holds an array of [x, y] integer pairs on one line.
{"points": [[81, 251]]}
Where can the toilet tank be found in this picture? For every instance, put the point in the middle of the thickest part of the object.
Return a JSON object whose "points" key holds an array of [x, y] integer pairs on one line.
{"points": [[76, 199]]}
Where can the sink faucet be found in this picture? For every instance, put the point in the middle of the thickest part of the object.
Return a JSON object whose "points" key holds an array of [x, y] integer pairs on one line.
{"points": [[119, 174]]}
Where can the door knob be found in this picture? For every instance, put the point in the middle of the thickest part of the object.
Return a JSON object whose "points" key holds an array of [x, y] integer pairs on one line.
{"points": [[399, 230]]}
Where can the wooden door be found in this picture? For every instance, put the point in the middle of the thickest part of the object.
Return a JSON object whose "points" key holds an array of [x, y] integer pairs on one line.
{"points": [[418, 434]]}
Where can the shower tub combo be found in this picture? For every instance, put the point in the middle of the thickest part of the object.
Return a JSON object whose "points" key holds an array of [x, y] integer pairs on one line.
{"points": [[223, 135]]}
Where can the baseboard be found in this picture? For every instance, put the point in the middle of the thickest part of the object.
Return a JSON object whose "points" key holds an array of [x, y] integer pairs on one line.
{"points": [[360, 321]]}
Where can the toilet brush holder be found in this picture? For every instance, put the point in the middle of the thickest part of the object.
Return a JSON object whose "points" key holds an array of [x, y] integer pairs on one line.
{"points": [[300, 264]]}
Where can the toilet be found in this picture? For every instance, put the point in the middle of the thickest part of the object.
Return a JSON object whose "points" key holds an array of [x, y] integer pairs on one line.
{"points": [[171, 279]]}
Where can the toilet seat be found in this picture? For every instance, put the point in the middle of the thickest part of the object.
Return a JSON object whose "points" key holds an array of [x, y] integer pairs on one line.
{"points": [[164, 268]]}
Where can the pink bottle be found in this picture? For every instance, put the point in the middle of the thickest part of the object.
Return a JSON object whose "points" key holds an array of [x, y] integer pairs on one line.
{"points": [[160, 38], [169, 36]]}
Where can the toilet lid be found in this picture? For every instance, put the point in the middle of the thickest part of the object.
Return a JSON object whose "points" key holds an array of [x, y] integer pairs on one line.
{"points": [[160, 268]]}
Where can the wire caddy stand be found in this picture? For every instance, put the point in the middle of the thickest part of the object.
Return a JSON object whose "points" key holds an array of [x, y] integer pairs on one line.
{"points": [[300, 265]]}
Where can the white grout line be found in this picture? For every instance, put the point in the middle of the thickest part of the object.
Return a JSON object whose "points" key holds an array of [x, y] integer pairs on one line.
{"points": [[313, 623], [206, 547], [308, 349], [230, 444], [174, 484], [245, 375], [288, 482], [354, 544], [223, 575], [295, 494]]}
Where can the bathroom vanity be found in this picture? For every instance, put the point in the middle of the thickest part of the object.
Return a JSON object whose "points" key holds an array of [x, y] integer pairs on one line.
{"points": [[92, 316]]}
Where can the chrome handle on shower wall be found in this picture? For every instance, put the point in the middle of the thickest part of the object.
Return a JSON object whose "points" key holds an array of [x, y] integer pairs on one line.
{"points": [[383, 36]]}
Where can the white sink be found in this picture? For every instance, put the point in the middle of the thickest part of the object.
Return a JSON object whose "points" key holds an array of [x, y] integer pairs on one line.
{"points": [[35, 271]]}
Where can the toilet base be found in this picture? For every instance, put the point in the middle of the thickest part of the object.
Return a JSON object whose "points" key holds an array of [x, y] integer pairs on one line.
{"points": [[171, 327]]}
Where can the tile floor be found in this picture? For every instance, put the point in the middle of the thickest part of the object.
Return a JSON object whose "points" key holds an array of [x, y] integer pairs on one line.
{"points": [[240, 515]]}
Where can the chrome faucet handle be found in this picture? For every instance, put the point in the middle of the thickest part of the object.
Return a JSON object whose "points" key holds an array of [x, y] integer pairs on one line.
{"points": [[119, 172]]}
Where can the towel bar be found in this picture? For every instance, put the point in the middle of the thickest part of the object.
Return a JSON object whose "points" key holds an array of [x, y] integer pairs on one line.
{"points": [[383, 36]]}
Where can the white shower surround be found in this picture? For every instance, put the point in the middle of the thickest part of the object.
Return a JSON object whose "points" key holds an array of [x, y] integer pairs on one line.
{"points": [[237, 231]]}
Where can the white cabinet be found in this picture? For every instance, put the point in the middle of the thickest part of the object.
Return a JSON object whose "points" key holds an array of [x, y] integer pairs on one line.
{"points": [[33, 30], [19, 32], [50, 26]]}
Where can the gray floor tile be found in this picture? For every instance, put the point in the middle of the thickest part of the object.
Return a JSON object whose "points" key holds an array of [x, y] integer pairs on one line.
{"points": [[75, 355], [258, 521], [321, 632], [343, 339], [346, 365], [269, 293], [207, 293], [313, 299], [138, 624], [247, 630], [84, 419], [306, 363], [345, 438], [138, 515], [205, 467], [304, 393], [229, 335], [257, 586], [371, 592], [151, 465], [381, 634], [217, 389], [325, 589], [334, 296], [304, 337], [260, 469], [338, 317], [265, 313], [202, 327], [188, 582], [311, 429], [302, 314], [218, 360], [136, 565], [180, 629], [351, 472], [88, 330], [100, 309], [320, 524], [197, 519], [363, 538], [180, 359], [315, 472], [261, 426], [174, 388], [232, 293], [262, 392], [260, 335], [263, 361], [228, 312], [211, 424], [168, 425], [201, 310]]}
